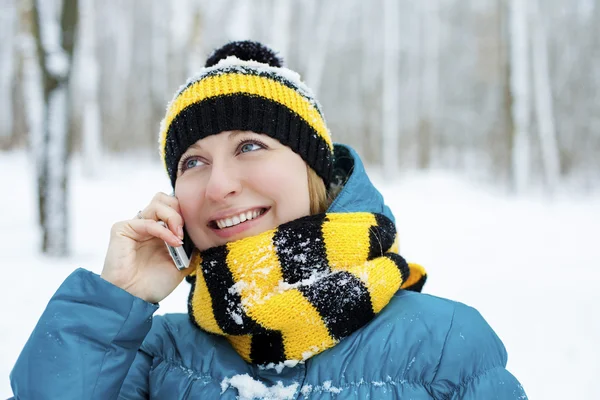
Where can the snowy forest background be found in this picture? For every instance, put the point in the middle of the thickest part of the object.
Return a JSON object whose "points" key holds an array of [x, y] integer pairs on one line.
{"points": [[503, 91], [448, 83], [502, 94]]}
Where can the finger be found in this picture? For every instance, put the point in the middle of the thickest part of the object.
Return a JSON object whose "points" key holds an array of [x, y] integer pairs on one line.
{"points": [[142, 230], [159, 198], [173, 219], [164, 198], [159, 230]]}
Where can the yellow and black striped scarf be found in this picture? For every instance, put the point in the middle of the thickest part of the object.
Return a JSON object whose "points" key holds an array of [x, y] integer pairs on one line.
{"points": [[297, 290]]}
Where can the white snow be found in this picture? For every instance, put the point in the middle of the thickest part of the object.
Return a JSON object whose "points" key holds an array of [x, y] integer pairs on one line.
{"points": [[326, 387], [310, 281], [249, 388], [280, 366], [528, 264]]}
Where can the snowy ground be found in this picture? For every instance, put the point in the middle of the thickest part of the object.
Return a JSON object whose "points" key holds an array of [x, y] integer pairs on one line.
{"points": [[529, 265]]}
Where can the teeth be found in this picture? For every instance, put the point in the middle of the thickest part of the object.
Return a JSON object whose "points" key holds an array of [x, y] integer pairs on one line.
{"points": [[238, 219]]}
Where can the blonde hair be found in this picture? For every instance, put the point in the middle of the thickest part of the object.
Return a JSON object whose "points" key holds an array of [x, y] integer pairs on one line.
{"points": [[317, 193]]}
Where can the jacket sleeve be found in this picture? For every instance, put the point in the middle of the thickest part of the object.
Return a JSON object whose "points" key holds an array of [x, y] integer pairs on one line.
{"points": [[85, 342], [473, 362]]}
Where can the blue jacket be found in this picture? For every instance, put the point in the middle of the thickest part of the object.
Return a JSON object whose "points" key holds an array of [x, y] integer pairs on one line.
{"points": [[96, 341]]}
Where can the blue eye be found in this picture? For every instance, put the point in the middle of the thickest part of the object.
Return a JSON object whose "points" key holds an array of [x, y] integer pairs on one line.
{"points": [[250, 146], [190, 162]]}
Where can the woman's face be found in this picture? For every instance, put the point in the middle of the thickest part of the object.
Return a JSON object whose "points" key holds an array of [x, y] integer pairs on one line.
{"points": [[237, 184]]}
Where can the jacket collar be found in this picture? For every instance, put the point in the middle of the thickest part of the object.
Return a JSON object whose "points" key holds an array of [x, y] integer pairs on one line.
{"points": [[358, 193]]}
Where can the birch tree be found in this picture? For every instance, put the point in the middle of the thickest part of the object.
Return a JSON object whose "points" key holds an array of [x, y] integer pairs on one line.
{"points": [[429, 79], [322, 30], [160, 52], [240, 24], [280, 28], [55, 38], [115, 48], [33, 93], [412, 43], [391, 86], [370, 75], [520, 104], [543, 99], [7, 63], [88, 85]]}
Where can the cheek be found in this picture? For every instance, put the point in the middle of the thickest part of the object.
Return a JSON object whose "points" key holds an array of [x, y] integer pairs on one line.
{"points": [[190, 198], [288, 188]]}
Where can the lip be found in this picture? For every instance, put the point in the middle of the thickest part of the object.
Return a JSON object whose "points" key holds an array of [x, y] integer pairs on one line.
{"points": [[232, 212], [231, 231]]}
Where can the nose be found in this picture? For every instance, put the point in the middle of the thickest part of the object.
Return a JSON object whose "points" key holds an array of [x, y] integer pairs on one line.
{"points": [[223, 182]]}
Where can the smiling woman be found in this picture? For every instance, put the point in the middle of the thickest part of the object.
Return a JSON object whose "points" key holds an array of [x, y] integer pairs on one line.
{"points": [[236, 184], [297, 286]]}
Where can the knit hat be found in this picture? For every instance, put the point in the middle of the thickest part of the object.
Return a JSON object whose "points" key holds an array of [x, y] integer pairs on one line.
{"points": [[244, 86]]}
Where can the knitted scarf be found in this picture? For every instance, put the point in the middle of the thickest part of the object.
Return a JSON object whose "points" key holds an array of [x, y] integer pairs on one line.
{"points": [[297, 290]]}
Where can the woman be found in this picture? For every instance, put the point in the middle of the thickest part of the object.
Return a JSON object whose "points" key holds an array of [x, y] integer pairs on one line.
{"points": [[295, 272]]}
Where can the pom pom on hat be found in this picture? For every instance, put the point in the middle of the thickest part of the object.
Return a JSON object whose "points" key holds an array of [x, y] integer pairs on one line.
{"points": [[247, 51]]}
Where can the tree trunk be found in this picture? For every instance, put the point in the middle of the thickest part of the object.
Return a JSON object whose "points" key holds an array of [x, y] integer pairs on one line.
{"points": [[92, 128], [391, 87], [280, 28], [520, 105], [410, 84], [240, 21], [33, 94], [370, 70], [325, 21], [7, 70], [543, 99], [429, 80], [55, 41]]}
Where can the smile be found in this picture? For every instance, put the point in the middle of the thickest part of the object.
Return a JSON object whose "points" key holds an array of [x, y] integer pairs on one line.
{"points": [[239, 218]]}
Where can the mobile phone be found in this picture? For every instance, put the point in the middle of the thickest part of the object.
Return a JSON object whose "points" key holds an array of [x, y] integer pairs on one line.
{"points": [[181, 255]]}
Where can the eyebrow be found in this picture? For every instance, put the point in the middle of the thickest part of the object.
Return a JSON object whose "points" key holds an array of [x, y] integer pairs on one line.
{"points": [[232, 135]]}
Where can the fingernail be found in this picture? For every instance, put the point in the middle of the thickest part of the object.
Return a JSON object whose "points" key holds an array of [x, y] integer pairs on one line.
{"points": [[180, 232]]}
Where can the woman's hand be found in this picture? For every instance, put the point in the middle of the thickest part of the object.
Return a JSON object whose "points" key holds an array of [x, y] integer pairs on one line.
{"points": [[137, 259]]}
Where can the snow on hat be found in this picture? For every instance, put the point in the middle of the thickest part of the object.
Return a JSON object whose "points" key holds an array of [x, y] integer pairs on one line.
{"points": [[244, 86]]}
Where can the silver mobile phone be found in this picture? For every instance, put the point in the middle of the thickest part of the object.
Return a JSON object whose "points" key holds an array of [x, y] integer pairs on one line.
{"points": [[178, 254]]}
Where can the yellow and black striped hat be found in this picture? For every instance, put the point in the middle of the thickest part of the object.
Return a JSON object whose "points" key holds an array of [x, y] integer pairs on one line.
{"points": [[244, 86]]}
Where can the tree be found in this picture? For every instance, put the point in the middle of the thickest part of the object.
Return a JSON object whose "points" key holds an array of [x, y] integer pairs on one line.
{"points": [[280, 29], [54, 31], [391, 86], [326, 19], [429, 79], [7, 49], [92, 128], [520, 104], [543, 99]]}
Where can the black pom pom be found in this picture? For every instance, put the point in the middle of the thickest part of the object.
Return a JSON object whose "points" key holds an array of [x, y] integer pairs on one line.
{"points": [[245, 50]]}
